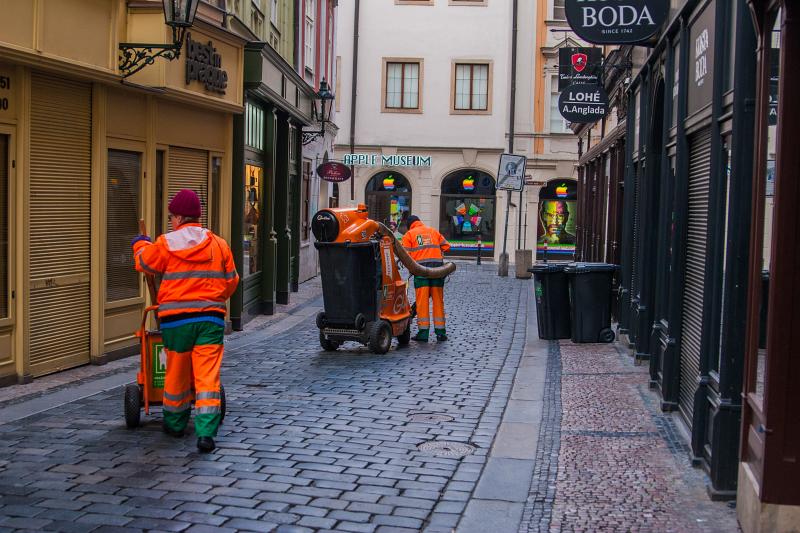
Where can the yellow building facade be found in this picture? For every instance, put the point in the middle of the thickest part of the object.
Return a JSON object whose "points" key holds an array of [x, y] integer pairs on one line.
{"points": [[86, 153]]}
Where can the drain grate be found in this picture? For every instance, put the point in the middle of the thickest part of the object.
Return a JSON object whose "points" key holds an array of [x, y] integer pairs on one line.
{"points": [[430, 417], [442, 448]]}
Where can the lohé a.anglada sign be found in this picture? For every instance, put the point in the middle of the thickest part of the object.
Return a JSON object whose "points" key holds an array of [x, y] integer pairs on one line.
{"points": [[583, 103], [579, 65], [616, 21]]}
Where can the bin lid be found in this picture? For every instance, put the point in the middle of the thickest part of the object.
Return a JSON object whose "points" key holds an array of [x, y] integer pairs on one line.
{"points": [[547, 268], [586, 268]]}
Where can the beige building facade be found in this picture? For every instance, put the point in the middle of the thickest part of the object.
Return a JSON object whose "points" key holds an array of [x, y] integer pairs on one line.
{"points": [[85, 154]]}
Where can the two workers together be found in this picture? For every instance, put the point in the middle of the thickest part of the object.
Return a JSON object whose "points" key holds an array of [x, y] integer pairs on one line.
{"points": [[198, 275]]}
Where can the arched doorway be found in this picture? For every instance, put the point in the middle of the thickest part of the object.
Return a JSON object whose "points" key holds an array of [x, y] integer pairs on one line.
{"points": [[388, 197], [468, 212], [558, 210]]}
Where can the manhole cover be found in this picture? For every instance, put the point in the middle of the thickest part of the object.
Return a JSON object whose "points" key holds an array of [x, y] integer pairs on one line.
{"points": [[441, 448], [430, 417]]}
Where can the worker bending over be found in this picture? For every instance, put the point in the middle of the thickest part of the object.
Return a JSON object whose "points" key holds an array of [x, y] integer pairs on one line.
{"points": [[197, 277], [427, 246]]}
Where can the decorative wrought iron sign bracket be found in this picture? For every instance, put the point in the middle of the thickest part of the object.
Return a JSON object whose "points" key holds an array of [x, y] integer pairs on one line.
{"points": [[133, 57]]}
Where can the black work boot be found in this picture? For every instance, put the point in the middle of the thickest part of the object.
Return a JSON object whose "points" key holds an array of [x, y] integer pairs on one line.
{"points": [[205, 444]]}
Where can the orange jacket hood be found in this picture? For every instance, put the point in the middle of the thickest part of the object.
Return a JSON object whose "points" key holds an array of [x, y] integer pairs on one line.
{"points": [[190, 242]]}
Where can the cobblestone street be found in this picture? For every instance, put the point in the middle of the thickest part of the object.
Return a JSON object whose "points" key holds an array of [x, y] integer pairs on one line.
{"points": [[542, 436]]}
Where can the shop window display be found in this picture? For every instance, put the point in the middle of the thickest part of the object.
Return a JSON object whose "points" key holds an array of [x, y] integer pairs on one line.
{"points": [[467, 217], [389, 199], [252, 214]]}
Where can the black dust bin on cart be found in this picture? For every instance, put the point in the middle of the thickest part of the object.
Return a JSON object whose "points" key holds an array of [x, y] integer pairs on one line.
{"points": [[590, 286], [552, 300]]}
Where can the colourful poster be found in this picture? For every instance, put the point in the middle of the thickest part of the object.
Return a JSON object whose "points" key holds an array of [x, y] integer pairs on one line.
{"points": [[556, 228]]}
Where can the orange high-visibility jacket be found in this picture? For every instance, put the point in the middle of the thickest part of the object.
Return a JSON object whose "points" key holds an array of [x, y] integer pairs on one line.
{"points": [[198, 273], [425, 245]]}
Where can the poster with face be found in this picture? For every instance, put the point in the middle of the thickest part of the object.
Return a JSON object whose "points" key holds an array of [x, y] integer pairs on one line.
{"points": [[557, 228]]}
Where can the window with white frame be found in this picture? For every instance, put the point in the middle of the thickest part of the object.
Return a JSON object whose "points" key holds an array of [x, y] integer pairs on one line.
{"points": [[471, 87], [402, 85], [558, 10], [557, 122], [311, 11], [273, 12]]}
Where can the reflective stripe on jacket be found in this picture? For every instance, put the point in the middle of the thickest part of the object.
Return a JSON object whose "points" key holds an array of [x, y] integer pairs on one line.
{"points": [[425, 245], [198, 273]]}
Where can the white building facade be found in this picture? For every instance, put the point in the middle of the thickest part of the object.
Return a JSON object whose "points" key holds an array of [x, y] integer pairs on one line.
{"points": [[432, 106]]}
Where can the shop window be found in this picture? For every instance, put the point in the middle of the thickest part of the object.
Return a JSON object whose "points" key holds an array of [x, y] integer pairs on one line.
{"points": [[305, 195], [254, 127], [557, 122], [251, 262], [636, 117], [402, 85], [471, 84], [726, 154], [4, 223], [388, 197], [123, 206], [676, 69], [556, 228], [730, 48], [467, 212]]}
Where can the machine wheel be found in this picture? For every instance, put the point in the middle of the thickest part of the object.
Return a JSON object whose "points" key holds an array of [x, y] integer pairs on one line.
{"points": [[607, 335], [380, 336], [133, 406], [404, 338], [360, 322], [223, 404], [327, 344], [321, 320]]}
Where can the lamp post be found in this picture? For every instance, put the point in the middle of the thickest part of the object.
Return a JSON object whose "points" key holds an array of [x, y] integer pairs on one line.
{"points": [[178, 15], [323, 115]]}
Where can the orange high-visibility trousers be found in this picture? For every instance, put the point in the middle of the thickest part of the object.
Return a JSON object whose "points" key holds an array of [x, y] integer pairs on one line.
{"points": [[424, 294]]}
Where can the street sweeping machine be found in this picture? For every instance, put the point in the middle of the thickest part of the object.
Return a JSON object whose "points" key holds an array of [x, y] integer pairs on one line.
{"points": [[365, 296]]}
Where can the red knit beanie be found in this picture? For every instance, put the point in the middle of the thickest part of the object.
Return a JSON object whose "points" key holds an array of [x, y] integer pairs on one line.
{"points": [[185, 204]]}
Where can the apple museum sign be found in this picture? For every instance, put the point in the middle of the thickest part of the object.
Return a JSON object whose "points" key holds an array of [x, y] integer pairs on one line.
{"points": [[375, 160]]}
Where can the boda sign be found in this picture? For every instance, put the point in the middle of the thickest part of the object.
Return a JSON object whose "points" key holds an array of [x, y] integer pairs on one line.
{"points": [[616, 21]]}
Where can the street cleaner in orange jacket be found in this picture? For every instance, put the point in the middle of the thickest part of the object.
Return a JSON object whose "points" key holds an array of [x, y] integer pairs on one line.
{"points": [[427, 246], [197, 277]]}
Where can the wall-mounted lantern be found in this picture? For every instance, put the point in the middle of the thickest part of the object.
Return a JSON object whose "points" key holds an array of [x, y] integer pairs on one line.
{"points": [[178, 15], [323, 114]]}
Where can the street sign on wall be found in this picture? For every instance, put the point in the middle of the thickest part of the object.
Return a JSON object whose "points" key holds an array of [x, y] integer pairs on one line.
{"points": [[616, 21], [582, 103], [511, 173], [579, 65], [333, 171]]}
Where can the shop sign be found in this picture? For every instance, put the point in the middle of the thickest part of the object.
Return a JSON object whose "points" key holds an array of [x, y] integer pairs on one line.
{"points": [[583, 104], [616, 21], [701, 73], [511, 174], [374, 160], [204, 64], [334, 172], [579, 65]]}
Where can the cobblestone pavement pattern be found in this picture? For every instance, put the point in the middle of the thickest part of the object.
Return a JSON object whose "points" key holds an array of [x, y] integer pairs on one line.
{"points": [[311, 441], [317, 441], [614, 461]]}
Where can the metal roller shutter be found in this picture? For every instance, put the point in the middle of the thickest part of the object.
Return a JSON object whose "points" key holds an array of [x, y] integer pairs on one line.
{"points": [[188, 169], [695, 259], [60, 223]]}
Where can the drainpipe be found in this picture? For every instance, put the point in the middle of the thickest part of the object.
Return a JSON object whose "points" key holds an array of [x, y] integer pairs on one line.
{"points": [[503, 271], [354, 99]]}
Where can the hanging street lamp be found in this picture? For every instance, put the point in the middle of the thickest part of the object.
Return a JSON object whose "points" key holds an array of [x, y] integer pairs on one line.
{"points": [[323, 114], [178, 15]]}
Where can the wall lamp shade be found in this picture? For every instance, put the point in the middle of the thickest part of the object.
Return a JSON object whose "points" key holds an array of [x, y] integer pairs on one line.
{"points": [[180, 13], [321, 113]]}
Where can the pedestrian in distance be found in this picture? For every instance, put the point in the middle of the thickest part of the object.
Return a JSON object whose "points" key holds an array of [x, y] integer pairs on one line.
{"points": [[427, 246], [198, 276]]}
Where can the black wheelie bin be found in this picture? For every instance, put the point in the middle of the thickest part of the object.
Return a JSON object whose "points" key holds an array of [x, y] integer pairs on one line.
{"points": [[590, 286], [552, 300]]}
